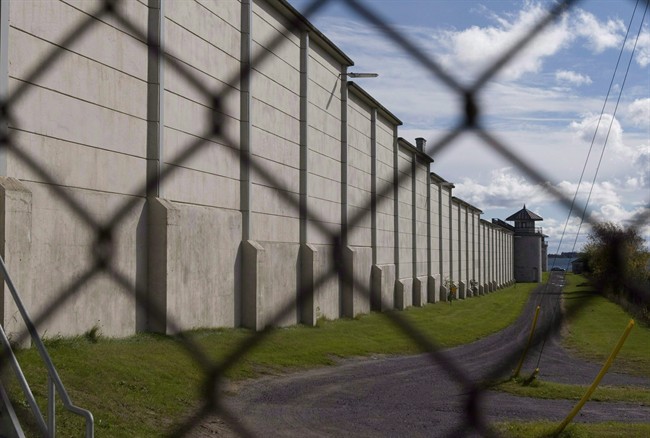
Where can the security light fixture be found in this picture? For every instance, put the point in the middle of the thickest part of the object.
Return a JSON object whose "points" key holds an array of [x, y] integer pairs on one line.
{"points": [[362, 75]]}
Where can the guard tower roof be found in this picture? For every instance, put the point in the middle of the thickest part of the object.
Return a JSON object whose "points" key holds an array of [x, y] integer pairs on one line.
{"points": [[525, 215]]}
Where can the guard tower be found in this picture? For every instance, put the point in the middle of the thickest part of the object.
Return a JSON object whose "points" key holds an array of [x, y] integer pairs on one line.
{"points": [[530, 247]]}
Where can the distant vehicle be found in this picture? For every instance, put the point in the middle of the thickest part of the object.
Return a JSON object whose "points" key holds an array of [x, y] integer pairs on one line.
{"points": [[556, 268]]}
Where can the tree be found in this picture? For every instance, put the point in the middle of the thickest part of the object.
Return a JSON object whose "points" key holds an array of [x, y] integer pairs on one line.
{"points": [[617, 261]]}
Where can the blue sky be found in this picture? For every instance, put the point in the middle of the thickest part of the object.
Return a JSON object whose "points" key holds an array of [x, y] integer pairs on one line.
{"points": [[544, 105]]}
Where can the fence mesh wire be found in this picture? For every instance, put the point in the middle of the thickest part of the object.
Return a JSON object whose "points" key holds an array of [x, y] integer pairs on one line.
{"points": [[105, 230]]}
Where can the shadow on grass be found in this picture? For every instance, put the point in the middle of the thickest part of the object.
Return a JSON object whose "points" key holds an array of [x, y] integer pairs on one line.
{"points": [[580, 296]]}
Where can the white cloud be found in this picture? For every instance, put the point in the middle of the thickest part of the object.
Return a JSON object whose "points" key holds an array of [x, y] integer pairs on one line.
{"points": [[561, 229], [505, 190], [622, 216], [599, 35], [416, 96], [571, 77], [515, 101], [535, 120], [470, 50], [600, 193], [606, 129], [642, 163], [629, 162], [642, 51], [639, 112], [508, 191], [608, 202], [565, 231]]}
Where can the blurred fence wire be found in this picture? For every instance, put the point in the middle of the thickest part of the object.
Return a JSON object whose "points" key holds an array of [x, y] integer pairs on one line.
{"points": [[104, 230]]}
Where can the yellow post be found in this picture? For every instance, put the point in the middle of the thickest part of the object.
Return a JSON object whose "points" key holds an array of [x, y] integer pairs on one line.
{"points": [[530, 338], [530, 378], [597, 380]]}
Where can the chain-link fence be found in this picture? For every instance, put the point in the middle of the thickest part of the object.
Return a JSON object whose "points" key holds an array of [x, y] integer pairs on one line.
{"points": [[104, 230]]}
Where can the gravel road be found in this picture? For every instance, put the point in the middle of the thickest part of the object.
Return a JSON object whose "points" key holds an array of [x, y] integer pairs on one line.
{"points": [[419, 396]]}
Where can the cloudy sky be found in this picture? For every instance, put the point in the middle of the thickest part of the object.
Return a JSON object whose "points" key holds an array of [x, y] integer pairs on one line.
{"points": [[545, 105]]}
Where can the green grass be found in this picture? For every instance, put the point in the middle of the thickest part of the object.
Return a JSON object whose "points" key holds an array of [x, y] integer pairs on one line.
{"points": [[142, 385], [580, 430], [595, 325], [551, 390]]}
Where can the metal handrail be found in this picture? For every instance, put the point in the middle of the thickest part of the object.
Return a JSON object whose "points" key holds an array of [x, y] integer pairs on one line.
{"points": [[54, 383], [22, 381]]}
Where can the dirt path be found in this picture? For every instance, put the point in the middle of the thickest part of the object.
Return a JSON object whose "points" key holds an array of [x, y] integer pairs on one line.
{"points": [[418, 396]]}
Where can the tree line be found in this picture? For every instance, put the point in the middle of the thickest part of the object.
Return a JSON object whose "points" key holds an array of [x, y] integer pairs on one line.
{"points": [[617, 261]]}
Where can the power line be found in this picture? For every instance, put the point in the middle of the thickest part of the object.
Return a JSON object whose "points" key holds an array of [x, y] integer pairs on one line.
{"points": [[611, 123], [541, 351], [593, 139]]}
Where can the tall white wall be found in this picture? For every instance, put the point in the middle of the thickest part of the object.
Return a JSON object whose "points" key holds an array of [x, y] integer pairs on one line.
{"points": [[361, 218], [324, 139], [447, 235], [476, 248], [385, 193], [197, 284], [84, 122], [324, 169], [487, 254], [386, 218], [455, 257], [436, 241], [192, 34], [275, 131], [217, 243], [421, 231], [421, 217], [482, 276], [360, 170], [492, 255], [462, 244], [405, 213], [275, 147]]}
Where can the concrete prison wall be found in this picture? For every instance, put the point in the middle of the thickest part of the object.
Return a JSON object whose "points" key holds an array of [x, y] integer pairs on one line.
{"points": [[84, 122], [292, 160]]}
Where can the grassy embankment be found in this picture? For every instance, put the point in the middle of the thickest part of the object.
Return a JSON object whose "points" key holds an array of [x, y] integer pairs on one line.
{"points": [[141, 385], [599, 430], [594, 326]]}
